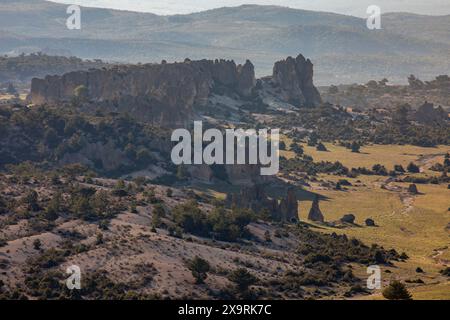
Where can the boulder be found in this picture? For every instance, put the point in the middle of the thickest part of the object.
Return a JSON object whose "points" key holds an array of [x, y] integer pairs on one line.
{"points": [[348, 218], [370, 223]]}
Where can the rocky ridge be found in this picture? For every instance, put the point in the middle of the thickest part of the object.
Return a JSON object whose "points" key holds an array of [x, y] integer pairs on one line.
{"points": [[167, 93]]}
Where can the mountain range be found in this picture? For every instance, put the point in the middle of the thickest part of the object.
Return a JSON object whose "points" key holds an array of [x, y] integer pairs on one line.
{"points": [[341, 47]]}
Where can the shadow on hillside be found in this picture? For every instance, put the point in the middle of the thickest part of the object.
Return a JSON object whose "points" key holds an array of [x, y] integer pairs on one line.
{"points": [[276, 188]]}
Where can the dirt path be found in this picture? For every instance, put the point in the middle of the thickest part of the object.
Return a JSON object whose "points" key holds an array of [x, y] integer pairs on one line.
{"points": [[436, 256], [406, 198], [425, 162]]}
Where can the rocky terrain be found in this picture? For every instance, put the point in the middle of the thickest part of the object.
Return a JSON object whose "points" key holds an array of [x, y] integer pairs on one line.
{"points": [[86, 179], [383, 95], [344, 49], [167, 93], [135, 240]]}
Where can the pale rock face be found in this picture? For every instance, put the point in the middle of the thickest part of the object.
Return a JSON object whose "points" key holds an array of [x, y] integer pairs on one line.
{"points": [[164, 93], [247, 80]]}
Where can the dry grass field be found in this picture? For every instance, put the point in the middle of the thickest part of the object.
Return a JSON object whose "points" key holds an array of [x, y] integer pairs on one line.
{"points": [[415, 224]]}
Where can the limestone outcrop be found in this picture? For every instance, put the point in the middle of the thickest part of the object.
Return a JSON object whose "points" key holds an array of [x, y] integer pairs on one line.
{"points": [[167, 93], [256, 199], [294, 77], [238, 174], [162, 93]]}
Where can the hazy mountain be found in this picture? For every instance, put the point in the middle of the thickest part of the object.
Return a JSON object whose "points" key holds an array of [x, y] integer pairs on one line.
{"points": [[355, 8], [341, 46]]}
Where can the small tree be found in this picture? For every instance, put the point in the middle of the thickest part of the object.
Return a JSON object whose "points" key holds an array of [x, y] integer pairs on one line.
{"points": [[355, 147], [54, 207], [243, 279], [80, 94], [133, 207], [37, 244], [31, 199], [295, 147], [267, 236], [321, 147], [199, 268], [312, 141], [413, 189], [3, 205], [157, 214], [396, 291], [182, 172], [412, 168]]}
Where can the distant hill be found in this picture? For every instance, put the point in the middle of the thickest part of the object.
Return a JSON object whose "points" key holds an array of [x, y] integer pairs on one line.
{"points": [[22, 68], [341, 47]]}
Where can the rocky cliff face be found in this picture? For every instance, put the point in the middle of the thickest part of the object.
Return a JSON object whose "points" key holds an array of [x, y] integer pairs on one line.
{"points": [[255, 198], [166, 93], [238, 174], [294, 77], [163, 93]]}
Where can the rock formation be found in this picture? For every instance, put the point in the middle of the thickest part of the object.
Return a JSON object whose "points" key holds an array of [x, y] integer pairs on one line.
{"points": [[428, 114], [246, 79], [164, 93], [238, 174], [288, 208], [256, 199], [315, 214], [294, 77]]}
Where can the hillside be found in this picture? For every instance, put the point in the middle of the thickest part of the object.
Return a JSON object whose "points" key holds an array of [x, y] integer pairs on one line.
{"points": [[344, 50]]}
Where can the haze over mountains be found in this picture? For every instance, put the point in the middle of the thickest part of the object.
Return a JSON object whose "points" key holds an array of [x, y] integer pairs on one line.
{"points": [[349, 7], [341, 47]]}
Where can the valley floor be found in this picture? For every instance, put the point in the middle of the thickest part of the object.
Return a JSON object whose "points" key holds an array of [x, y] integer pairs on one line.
{"points": [[415, 224]]}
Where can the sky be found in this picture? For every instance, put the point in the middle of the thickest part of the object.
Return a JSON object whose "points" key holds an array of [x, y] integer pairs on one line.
{"points": [[350, 7]]}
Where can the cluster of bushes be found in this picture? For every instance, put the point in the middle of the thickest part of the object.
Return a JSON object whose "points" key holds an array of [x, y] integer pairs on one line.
{"points": [[427, 180], [329, 124], [320, 248], [220, 224], [444, 167], [307, 164], [47, 134], [91, 205], [402, 131]]}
